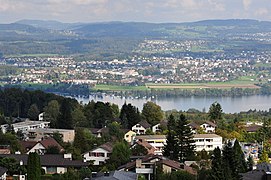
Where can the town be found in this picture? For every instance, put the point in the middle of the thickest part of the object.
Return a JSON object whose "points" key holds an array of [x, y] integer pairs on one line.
{"points": [[99, 140]]}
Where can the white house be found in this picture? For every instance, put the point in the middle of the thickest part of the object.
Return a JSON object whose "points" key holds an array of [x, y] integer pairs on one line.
{"points": [[208, 127], [207, 141], [157, 128], [41, 116], [157, 141], [99, 155], [26, 126], [141, 127]]}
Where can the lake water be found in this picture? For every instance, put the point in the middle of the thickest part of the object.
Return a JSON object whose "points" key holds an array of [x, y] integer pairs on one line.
{"points": [[229, 104]]}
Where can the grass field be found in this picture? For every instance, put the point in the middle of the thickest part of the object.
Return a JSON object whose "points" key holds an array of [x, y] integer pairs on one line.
{"points": [[242, 82]]}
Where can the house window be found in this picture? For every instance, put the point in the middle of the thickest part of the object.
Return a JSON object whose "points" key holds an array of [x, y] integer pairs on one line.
{"points": [[138, 126], [209, 146], [95, 154], [127, 136], [209, 140]]}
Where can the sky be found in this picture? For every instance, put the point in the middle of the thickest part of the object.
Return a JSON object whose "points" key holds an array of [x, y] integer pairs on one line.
{"points": [[133, 10]]}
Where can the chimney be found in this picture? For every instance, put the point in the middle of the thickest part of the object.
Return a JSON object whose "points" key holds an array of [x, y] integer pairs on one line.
{"points": [[138, 163]]}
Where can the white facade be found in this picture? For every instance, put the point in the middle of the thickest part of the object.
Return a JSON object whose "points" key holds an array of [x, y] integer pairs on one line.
{"points": [[139, 129], [98, 156], [156, 128], [26, 126], [38, 148], [157, 141], [208, 128], [38, 134], [41, 116], [207, 141]]}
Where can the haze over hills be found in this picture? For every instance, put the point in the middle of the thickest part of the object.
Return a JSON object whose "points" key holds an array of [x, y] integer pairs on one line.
{"points": [[121, 39]]}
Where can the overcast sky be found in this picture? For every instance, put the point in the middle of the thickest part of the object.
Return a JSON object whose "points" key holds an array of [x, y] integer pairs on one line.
{"points": [[133, 10]]}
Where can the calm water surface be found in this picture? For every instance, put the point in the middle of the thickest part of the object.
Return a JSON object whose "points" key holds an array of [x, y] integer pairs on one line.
{"points": [[229, 104]]}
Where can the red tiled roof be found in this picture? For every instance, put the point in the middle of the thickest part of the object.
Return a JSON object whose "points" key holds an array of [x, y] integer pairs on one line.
{"points": [[51, 142]]}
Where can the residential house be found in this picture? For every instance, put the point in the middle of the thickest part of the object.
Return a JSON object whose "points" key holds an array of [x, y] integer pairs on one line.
{"points": [[99, 132], [147, 164], [25, 126], [208, 127], [157, 128], [141, 127], [41, 116], [40, 147], [194, 127], [251, 149], [207, 142], [52, 163], [100, 154], [129, 135], [41, 133], [3, 173], [263, 171], [146, 145], [252, 128], [156, 141]]}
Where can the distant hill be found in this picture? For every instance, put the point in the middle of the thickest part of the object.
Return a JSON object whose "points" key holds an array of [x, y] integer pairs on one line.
{"points": [[115, 39], [55, 25]]}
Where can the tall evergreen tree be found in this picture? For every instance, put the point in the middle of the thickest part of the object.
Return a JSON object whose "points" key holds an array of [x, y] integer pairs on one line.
{"points": [[33, 167], [217, 166], [228, 161], [129, 115], [65, 118], [241, 164], [185, 140], [171, 149], [33, 112]]}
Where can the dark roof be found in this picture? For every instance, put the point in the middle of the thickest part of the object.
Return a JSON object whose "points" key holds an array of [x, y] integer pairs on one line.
{"points": [[116, 175], [210, 123], [27, 145], [52, 160], [176, 165], [107, 146], [253, 128], [3, 170], [253, 175], [194, 125], [145, 124], [94, 130], [160, 160]]}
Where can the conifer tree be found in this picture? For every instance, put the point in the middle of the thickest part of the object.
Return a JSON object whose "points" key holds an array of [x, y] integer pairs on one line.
{"points": [[217, 166], [228, 161], [171, 149], [33, 167], [185, 140], [241, 165]]}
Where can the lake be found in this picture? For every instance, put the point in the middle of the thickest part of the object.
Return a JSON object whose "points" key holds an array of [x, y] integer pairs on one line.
{"points": [[229, 104]]}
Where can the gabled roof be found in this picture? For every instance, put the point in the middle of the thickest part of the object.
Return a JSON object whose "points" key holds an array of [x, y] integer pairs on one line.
{"points": [[51, 142], [176, 165], [47, 142], [194, 125], [49, 160], [210, 123], [106, 146], [144, 124], [3, 170]]}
